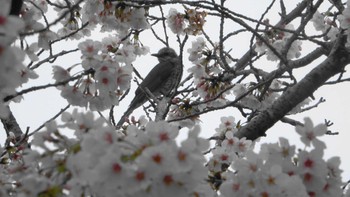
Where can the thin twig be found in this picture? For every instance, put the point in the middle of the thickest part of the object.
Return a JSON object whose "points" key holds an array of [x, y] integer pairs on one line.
{"points": [[51, 119]]}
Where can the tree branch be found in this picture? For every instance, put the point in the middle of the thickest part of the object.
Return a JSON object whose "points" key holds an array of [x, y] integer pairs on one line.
{"points": [[334, 64], [11, 125]]}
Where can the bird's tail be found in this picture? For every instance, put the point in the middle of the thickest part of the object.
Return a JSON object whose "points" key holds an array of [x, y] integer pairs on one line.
{"points": [[123, 118], [139, 99]]}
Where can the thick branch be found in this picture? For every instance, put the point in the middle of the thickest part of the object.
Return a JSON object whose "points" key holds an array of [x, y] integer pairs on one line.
{"points": [[162, 108], [11, 125], [334, 64]]}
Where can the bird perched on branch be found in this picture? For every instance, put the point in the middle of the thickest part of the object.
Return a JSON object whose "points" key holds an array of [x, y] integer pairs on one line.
{"points": [[161, 80]]}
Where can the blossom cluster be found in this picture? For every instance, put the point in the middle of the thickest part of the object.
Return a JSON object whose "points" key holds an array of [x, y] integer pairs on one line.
{"points": [[114, 16], [213, 89], [207, 73], [108, 69], [108, 15], [32, 15], [102, 161], [228, 146], [191, 22], [326, 25], [149, 161], [184, 108], [210, 88], [344, 19], [12, 71], [277, 170], [277, 40], [106, 66]]}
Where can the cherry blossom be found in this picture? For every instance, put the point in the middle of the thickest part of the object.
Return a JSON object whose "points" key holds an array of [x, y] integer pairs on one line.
{"points": [[45, 38], [161, 133], [278, 43], [60, 74], [309, 134], [89, 48], [137, 19], [196, 50], [325, 25], [176, 21], [108, 75], [344, 17]]}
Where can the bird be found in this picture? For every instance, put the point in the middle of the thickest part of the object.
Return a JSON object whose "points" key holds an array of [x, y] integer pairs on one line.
{"points": [[161, 80]]}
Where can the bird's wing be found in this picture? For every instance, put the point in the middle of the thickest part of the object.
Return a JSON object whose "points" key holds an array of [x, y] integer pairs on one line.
{"points": [[157, 76]]}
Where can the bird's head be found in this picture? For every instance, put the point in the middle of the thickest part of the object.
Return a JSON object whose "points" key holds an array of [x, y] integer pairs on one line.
{"points": [[165, 54]]}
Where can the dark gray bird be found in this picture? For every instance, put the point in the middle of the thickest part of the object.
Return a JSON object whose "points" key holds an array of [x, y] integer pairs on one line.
{"points": [[161, 80]]}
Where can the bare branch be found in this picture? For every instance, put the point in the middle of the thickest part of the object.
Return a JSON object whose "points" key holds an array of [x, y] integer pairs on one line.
{"points": [[35, 88], [51, 119]]}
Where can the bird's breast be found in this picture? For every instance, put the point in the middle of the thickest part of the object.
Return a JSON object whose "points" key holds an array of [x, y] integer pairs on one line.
{"points": [[173, 80]]}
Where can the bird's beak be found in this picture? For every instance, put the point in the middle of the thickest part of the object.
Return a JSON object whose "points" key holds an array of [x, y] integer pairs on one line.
{"points": [[155, 54]]}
